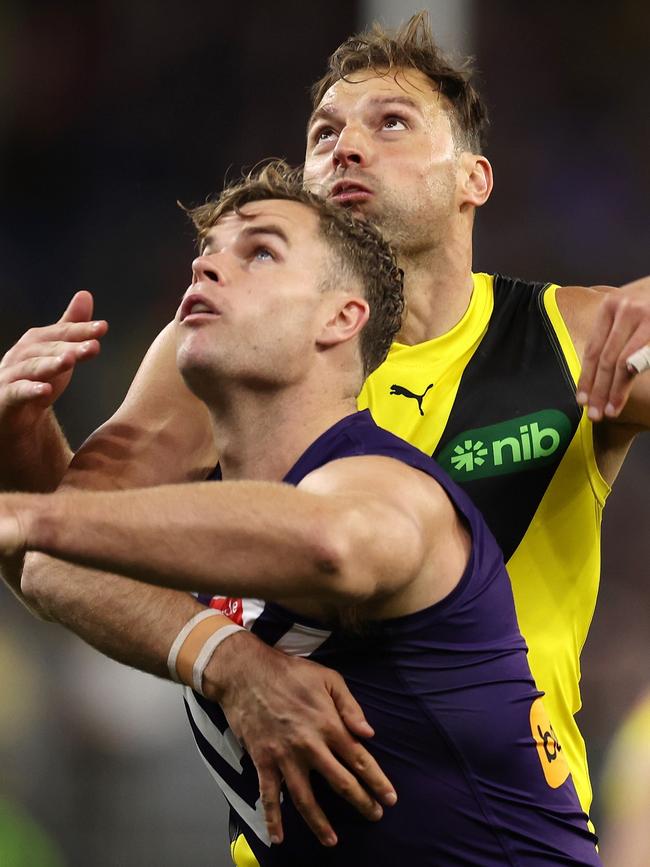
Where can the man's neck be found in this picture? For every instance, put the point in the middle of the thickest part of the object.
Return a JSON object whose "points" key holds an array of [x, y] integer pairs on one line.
{"points": [[438, 288], [261, 436]]}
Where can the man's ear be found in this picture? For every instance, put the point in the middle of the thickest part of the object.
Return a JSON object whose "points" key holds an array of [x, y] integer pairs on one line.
{"points": [[345, 322], [476, 179]]}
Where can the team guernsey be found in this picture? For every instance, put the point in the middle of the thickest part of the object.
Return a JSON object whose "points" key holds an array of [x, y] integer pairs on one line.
{"points": [[460, 727], [493, 400]]}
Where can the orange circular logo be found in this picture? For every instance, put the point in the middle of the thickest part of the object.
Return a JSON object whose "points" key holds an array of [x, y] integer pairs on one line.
{"points": [[554, 765]]}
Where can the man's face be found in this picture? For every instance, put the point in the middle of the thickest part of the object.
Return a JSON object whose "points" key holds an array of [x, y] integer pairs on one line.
{"points": [[255, 301], [383, 146]]}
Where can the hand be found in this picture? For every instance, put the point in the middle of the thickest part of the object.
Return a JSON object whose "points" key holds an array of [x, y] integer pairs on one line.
{"points": [[294, 716], [38, 368], [621, 329]]}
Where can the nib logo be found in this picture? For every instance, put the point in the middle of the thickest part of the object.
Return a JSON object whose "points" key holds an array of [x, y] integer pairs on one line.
{"points": [[510, 446], [468, 455]]}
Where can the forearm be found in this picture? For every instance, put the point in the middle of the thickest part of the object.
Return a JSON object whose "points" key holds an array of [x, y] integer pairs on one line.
{"points": [[34, 456], [131, 622], [250, 539]]}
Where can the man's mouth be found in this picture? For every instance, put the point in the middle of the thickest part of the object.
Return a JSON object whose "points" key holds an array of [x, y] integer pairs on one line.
{"points": [[346, 192], [196, 306]]}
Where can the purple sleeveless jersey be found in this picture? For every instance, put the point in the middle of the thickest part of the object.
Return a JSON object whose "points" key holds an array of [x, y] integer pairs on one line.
{"points": [[460, 727]]}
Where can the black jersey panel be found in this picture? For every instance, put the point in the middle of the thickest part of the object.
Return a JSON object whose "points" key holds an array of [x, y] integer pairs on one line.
{"points": [[514, 415]]}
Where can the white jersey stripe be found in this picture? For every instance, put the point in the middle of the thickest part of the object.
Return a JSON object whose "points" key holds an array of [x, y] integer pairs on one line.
{"points": [[302, 640], [253, 818], [252, 608], [225, 744]]}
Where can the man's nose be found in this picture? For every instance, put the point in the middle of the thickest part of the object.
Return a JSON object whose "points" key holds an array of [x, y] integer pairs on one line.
{"points": [[204, 268], [352, 148]]}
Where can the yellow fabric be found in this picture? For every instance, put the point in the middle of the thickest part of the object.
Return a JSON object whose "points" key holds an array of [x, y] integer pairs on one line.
{"points": [[242, 854], [441, 361], [555, 570]]}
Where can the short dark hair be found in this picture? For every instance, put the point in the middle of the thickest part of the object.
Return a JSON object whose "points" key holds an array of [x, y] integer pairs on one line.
{"points": [[412, 46], [358, 246]]}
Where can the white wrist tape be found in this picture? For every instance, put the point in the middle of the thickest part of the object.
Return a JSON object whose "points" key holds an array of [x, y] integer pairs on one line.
{"points": [[181, 637], [205, 654]]}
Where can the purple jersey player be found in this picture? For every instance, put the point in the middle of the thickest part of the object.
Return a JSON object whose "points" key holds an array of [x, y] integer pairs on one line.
{"points": [[459, 725], [380, 567]]}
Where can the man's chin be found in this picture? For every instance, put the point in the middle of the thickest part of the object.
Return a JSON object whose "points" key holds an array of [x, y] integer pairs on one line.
{"points": [[360, 210]]}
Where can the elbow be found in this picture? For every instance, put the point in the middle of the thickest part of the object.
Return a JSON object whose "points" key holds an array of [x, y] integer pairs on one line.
{"points": [[35, 586], [342, 568]]}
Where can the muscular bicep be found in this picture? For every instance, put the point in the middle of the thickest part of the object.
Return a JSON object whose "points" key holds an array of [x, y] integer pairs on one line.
{"points": [[404, 538], [160, 434]]}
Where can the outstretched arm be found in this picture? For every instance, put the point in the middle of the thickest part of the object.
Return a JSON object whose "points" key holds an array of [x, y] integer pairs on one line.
{"points": [[34, 453], [294, 716], [356, 531]]}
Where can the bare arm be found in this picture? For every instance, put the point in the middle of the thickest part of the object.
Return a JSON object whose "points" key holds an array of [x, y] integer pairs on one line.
{"points": [[365, 534], [34, 453], [161, 434], [294, 716]]}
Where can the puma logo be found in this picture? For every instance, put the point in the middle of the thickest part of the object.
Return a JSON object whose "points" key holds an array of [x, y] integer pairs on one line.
{"points": [[404, 392]]}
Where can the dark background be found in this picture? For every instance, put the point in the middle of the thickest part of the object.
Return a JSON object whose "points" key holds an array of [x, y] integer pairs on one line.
{"points": [[110, 112]]}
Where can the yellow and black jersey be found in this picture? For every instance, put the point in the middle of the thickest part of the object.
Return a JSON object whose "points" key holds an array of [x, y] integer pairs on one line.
{"points": [[493, 400]]}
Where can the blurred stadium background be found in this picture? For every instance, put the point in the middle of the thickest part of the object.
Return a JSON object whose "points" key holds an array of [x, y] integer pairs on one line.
{"points": [[111, 111]]}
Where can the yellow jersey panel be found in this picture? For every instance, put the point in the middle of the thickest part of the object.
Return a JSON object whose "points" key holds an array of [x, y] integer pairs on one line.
{"points": [[241, 853], [427, 373], [494, 402]]}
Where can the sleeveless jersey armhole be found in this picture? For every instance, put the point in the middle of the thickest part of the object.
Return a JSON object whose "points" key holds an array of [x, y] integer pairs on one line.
{"points": [[599, 485]]}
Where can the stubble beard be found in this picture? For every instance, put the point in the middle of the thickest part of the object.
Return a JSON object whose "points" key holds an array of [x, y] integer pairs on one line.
{"points": [[412, 227]]}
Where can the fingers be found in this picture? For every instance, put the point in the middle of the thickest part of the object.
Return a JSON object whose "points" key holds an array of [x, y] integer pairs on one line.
{"points": [[59, 348], [349, 709], [297, 782], [620, 331], [593, 351], [23, 391], [270, 783], [31, 380], [61, 332], [352, 752], [347, 785], [363, 767], [81, 339], [80, 308]]}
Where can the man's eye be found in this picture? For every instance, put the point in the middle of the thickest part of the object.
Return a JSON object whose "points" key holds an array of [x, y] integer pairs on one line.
{"points": [[394, 123], [263, 254], [324, 134]]}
